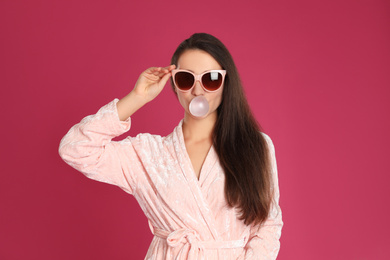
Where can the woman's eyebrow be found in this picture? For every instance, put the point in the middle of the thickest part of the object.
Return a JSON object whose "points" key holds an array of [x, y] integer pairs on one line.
{"points": [[201, 72], [186, 69]]}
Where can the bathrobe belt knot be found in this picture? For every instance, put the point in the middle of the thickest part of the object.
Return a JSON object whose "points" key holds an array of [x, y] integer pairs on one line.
{"points": [[192, 246]]}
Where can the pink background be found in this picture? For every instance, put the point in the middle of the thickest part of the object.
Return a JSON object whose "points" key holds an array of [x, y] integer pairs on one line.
{"points": [[317, 76]]}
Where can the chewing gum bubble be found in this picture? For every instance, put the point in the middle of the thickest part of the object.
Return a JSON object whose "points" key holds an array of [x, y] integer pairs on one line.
{"points": [[199, 106]]}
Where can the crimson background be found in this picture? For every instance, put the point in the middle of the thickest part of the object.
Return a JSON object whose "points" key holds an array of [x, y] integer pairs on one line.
{"points": [[316, 74]]}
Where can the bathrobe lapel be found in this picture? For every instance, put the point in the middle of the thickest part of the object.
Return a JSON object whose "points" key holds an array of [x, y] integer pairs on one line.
{"points": [[193, 183]]}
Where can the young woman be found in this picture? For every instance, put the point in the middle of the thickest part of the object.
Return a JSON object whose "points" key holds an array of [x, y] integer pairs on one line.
{"points": [[210, 188]]}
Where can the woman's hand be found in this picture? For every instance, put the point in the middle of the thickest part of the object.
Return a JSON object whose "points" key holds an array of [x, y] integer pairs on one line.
{"points": [[151, 82]]}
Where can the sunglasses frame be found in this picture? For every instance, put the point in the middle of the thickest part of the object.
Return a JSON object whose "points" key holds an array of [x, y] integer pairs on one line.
{"points": [[198, 77]]}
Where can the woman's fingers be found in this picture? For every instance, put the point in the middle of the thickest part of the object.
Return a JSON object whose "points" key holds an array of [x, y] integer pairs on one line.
{"points": [[170, 67], [156, 74], [165, 78], [162, 71], [156, 71]]}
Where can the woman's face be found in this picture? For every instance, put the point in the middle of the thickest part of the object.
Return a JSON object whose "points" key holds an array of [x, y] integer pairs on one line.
{"points": [[199, 61]]}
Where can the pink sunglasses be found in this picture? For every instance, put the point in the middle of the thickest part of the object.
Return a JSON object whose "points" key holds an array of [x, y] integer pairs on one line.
{"points": [[210, 80]]}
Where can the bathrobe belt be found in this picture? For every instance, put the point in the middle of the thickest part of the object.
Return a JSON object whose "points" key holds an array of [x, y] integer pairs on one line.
{"points": [[192, 247]]}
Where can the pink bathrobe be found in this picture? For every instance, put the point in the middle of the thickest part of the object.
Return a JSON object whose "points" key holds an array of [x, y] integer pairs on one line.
{"points": [[189, 218]]}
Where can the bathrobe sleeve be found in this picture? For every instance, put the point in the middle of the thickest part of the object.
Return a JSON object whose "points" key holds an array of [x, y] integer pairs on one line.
{"points": [[264, 242], [88, 148]]}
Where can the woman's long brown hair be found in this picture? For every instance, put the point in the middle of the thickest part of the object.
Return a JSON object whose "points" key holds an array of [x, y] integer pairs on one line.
{"points": [[241, 148]]}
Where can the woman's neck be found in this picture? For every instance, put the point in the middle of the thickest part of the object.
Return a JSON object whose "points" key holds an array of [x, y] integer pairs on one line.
{"points": [[197, 130]]}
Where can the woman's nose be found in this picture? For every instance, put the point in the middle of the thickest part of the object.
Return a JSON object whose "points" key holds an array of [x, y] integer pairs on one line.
{"points": [[197, 90]]}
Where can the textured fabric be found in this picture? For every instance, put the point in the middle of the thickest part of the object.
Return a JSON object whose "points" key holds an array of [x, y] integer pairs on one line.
{"points": [[189, 217]]}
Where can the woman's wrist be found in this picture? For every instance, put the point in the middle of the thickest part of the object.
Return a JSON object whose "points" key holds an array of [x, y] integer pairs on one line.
{"points": [[129, 104]]}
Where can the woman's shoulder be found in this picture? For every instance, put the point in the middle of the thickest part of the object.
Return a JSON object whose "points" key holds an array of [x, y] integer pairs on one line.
{"points": [[266, 136], [268, 139], [150, 139], [145, 138]]}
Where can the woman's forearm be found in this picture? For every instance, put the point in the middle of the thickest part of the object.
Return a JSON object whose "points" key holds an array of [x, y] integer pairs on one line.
{"points": [[129, 104]]}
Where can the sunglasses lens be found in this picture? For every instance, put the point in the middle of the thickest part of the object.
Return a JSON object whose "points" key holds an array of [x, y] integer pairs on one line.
{"points": [[212, 80], [184, 80]]}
